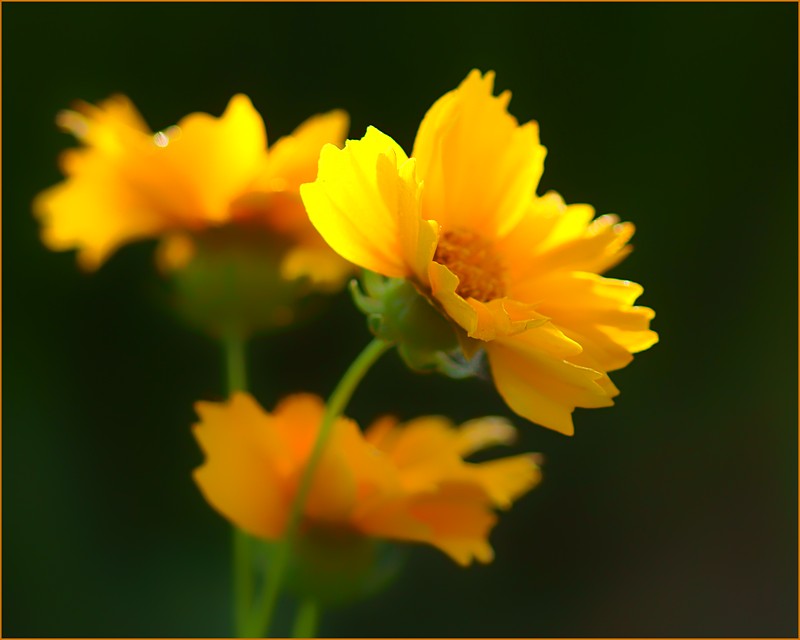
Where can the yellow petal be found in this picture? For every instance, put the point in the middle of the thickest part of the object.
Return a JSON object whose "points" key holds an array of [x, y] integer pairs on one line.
{"points": [[376, 479], [534, 377], [603, 245], [332, 496], [586, 359], [211, 163], [96, 212], [424, 451], [242, 474], [459, 520], [554, 236], [111, 127], [481, 320], [429, 453], [349, 474], [297, 419], [483, 433], [381, 432], [546, 220], [293, 159], [506, 479], [275, 194], [365, 204], [418, 440], [569, 222], [390, 519], [633, 341], [443, 288], [480, 168], [326, 270], [597, 312]]}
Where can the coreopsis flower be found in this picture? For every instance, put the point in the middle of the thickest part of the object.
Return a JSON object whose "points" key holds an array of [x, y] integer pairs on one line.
{"points": [[186, 183], [515, 275], [401, 482]]}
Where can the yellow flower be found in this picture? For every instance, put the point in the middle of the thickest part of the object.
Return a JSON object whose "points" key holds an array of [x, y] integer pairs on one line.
{"points": [[517, 274], [405, 482], [127, 183]]}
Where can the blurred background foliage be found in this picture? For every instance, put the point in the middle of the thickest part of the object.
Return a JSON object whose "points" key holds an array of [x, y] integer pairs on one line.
{"points": [[672, 514]]}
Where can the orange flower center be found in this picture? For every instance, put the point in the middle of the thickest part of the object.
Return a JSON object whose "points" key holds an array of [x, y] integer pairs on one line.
{"points": [[473, 259]]}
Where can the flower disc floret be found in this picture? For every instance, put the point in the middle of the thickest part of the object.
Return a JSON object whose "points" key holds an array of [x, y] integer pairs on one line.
{"points": [[473, 260]]}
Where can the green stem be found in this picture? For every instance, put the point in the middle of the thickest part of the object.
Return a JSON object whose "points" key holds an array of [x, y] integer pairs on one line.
{"points": [[236, 373], [235, 367], [334, 408], [307, 620]]}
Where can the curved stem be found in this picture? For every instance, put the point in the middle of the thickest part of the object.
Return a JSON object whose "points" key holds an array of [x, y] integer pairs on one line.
{"points": [[334, 408], [307, 620], [236, 374]]}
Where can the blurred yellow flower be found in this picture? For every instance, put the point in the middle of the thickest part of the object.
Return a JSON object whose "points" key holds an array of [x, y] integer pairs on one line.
{"points": [[405, 482], [516, 273], [127, 183]]}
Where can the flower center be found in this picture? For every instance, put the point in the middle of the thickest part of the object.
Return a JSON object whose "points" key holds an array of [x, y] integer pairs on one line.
{"points": [[473, 259]]}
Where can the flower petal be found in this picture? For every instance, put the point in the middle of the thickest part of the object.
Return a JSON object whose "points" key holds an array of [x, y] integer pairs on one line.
{"points": [[297, 419], [481, 320], [293, 159], [424, 452], [110, 127], [96, 212], [554, 236], [596, 312], [242, 476], [365, 204], [326, 270], [333, 490], [459, 521], [290, 162], [533, 374], [506, 479], [479, 166], [210, 163], [482, 433]]}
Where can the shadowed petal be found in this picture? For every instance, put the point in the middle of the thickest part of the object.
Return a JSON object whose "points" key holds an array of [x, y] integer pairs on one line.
{"points": [[532, 373]]}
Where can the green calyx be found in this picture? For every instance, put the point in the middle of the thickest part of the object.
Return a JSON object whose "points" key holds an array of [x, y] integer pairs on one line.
{"points": [[334, 567], [426, 340], [233, 285]]}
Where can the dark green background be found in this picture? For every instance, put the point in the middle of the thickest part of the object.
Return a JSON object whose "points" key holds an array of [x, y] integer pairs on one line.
{"points": [[673, 513]]}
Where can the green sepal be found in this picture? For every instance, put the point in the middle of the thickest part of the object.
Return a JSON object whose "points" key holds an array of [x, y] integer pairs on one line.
{"points": [[233, 284], [336, 567], [426, 340]]}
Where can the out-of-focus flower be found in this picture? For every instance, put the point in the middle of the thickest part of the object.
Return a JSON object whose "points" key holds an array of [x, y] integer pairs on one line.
{"points": [[127, 183], [515, 274], [404, 482]]}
